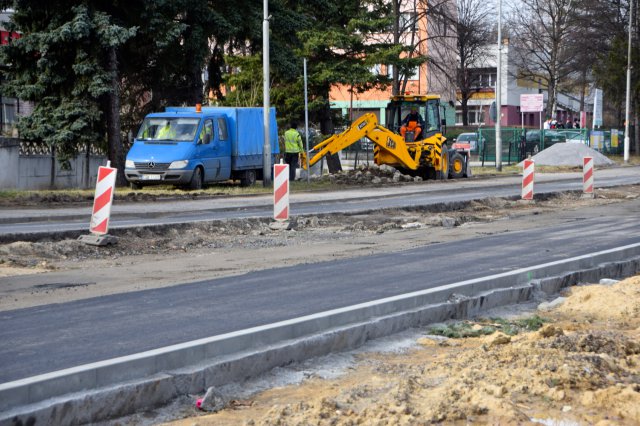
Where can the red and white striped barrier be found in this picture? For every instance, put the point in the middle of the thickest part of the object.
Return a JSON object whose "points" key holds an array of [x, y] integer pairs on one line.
{"points": [[103, 199], [281, 191], [587, 176], [527, 179]]}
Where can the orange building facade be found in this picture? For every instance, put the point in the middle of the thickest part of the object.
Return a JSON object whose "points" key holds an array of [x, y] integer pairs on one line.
{"points": [[431, 41]]}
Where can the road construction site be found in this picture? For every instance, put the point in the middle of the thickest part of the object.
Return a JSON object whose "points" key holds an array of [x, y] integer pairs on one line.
{"points": [[57, 271]]}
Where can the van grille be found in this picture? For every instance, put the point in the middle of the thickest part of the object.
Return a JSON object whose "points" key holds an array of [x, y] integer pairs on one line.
{"points": [[151, 165]]}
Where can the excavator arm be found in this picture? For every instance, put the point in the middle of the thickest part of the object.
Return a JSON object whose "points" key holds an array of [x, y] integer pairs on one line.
{"points": [[367, 126]]}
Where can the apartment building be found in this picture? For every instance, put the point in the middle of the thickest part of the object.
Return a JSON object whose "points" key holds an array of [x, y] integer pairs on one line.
{"points": [[425, 34]]}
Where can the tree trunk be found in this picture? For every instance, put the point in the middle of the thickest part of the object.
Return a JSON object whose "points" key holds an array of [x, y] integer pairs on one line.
{"points": [[324, 115], [395, 84], [114, 140], [464, 102], [583, 89], [87, 166], [327, 128]]}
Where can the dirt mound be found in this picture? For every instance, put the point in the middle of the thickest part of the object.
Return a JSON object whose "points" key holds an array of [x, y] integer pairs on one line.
{"points": [[569, 154]]}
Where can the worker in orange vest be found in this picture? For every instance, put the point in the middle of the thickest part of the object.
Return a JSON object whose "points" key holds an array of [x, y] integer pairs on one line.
{"points": [[413, 122]]}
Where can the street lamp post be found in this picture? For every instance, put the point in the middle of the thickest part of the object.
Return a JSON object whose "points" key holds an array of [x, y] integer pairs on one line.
{"points": [[628, 101], [499, 92], [266, 149]]}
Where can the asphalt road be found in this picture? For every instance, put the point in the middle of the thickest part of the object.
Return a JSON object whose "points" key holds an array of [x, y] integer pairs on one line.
{"points": [[48, 338], [42, 221]]}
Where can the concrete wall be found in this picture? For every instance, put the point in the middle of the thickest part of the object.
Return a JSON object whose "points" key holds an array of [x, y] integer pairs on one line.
{"points": [[42, 171], [9, 152]]}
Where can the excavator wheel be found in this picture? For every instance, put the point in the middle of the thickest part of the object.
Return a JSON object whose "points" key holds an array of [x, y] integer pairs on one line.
{"points": [[457, 166], [443, 173]]}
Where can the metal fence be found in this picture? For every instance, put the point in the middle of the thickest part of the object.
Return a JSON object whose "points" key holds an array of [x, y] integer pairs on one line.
{"points": [[518, 143]]}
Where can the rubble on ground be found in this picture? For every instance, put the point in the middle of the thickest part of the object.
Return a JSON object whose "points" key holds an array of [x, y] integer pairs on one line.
{"points": [[260, 233], [367, 174]]}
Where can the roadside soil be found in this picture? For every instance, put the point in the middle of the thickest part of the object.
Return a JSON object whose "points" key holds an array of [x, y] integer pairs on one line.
{"points": [[581, 367]]}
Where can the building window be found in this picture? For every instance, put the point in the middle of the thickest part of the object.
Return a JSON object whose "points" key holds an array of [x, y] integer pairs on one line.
{"points": [[474, 114], [416, 74], [408, 21], [8, 114], [483, 79]]}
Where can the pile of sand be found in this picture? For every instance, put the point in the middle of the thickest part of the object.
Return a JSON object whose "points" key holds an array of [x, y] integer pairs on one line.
{"points": [[569, 154]]}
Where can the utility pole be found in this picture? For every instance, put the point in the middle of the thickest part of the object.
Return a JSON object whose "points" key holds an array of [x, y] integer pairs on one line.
{"points": [[266, 149], [306, 120], [627, 140], [499, 92]]}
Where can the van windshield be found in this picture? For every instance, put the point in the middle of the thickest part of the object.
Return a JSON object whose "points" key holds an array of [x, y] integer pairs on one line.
{"points": [[168, 129]]}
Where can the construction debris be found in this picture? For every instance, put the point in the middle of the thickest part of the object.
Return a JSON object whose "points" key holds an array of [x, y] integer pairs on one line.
{"points": [[368, 174]]}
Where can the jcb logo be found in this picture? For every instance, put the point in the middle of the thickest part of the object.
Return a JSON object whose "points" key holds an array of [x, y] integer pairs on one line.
{"points": [[361, 125], [391, 143]]}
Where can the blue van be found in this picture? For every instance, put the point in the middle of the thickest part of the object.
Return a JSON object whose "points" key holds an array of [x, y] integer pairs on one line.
{"points": [[191, 147]]}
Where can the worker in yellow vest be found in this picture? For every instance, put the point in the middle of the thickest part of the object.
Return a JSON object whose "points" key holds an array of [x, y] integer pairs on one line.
{"points": [[292, 147], [168, 131]]}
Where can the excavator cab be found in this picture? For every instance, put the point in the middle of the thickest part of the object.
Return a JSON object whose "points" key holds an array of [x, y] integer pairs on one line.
{"points": [[428, 109]]}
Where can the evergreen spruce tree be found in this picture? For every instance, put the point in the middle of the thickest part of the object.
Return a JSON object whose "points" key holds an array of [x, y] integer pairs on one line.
{"points": [[61, 63]]}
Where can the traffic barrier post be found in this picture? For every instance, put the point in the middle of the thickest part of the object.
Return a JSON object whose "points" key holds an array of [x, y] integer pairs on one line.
{"points": [[103, 199], [528, 179], [281, 192], [587, 177]]}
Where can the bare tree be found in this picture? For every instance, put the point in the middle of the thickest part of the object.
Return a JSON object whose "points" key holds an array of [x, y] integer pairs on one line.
{"points": [[544, 32], [442, 26], [457, 34], [467, 48], [408, 31]]}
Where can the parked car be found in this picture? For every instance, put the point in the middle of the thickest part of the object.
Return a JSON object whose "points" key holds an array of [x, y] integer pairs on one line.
{"points": [[533, 140], [471, 139]]}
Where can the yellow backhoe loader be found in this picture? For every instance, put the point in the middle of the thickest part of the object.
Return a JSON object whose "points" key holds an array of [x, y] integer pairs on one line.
{"points": [[422, 151]]}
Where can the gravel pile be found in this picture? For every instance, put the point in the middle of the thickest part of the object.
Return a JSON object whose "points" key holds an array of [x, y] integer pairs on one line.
{"points": [[569, 154]]}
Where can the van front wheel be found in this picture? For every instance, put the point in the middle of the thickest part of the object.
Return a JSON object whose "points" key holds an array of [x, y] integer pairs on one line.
{"points": [[196, 179]]}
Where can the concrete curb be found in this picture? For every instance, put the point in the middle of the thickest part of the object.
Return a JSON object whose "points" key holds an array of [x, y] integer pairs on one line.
{"points": [[121, 386]]}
